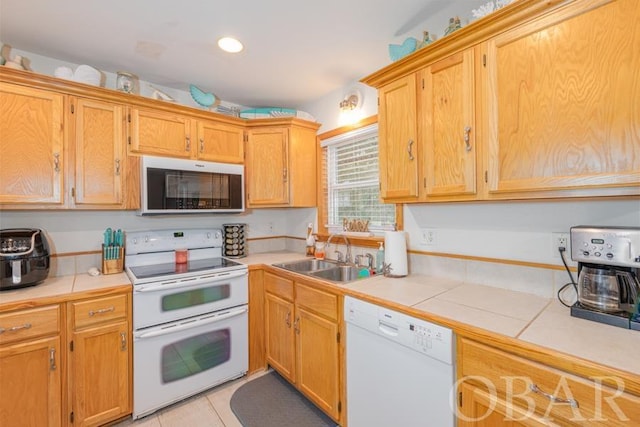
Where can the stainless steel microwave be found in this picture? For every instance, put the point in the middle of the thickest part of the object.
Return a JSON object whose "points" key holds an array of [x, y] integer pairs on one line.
{"points": [[179, 186]]}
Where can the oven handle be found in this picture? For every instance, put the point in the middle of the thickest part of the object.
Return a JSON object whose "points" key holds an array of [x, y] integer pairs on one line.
{"points": [[154, 287], [194, 324]]}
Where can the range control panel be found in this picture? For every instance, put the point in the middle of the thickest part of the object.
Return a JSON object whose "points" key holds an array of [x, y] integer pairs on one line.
{"points": [[618, 246]]}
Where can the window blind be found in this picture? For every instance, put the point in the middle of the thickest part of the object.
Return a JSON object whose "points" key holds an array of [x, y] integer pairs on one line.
{"points": [[353, 180]]}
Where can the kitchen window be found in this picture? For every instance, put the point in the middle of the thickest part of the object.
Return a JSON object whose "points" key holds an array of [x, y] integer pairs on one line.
{"points": [[350, 179]]}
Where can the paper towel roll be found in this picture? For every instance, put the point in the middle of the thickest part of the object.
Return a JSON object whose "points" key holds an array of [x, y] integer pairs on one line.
{"points": [[395, 253]]}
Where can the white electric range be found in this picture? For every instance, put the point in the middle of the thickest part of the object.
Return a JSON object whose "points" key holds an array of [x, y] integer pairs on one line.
{"points": [[190, 320]]}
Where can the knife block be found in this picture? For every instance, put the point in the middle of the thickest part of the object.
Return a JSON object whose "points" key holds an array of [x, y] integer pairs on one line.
{"points": [[115, 265]]}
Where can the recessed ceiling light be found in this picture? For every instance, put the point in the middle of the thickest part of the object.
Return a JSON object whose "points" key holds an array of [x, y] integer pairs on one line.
{"points": [[229, 44]]}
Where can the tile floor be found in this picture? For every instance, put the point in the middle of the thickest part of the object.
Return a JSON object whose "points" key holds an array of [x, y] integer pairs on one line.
{"points": [[211, 408]]}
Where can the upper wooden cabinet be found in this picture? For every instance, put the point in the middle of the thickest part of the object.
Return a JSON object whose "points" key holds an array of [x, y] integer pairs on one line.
{"points": [[170, 134], [160, 133], [62, 151], [447, 127], [220, 142], [563, 101], [100, 158], [539, 100], [32, 143], [398, 140], [281, 163]]}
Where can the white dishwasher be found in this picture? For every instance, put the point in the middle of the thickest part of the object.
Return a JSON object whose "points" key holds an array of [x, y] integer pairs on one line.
{"points": [[399, 369]]}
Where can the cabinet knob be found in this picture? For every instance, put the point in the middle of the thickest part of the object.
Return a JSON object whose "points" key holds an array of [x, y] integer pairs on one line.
{"points": [[410, 149], [188, 144], [117, 167], [202, 145]]}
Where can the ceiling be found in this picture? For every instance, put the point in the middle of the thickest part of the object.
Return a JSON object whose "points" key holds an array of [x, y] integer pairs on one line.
{"points": [[295, 51]]}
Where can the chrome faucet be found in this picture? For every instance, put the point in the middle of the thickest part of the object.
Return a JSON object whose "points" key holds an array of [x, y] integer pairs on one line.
{"points": [[347, 257]]}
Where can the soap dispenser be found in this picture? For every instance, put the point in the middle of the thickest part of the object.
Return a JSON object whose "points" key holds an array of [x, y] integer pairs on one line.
{"points": [[380, 259]]}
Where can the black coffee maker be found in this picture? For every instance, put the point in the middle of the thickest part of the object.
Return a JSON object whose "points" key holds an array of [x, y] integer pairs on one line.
{"points": [[608, 274], [24, 257]]}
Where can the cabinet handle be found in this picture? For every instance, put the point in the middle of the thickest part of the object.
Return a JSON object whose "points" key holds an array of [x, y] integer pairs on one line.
{"points": [[15, 328], [52, 359], [188, 144], [123, 341], [296, 325], [202, 145], [410, 148], [101, 311], [287, 320], [284, 174], [534, 388], [56, 162], [117, 167], [467, 130]]}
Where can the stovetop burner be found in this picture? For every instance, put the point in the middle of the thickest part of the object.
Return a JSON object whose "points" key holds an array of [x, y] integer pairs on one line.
{"points": [[167, 269]]}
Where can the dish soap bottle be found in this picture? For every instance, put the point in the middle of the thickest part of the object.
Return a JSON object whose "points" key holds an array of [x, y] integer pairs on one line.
{"points": [[380, 259], [311, 240]]}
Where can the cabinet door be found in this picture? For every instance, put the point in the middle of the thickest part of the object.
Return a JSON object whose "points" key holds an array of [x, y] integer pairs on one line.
{"points": [[280, 349], [31, 145], [100, 372], [267, 167], [220, 142], [563, 101], [317, 360], [30, 386], [481, 409], [99, 153], [160, 133], [398, 148], [448, 126]]}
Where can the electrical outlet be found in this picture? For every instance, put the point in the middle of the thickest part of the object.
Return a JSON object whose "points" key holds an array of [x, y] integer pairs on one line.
{"points": [[559, 240], [428, 237]]}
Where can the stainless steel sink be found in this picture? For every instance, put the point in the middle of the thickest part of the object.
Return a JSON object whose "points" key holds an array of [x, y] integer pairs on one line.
{"points": [[307, 265], [323, 269], [342, 273]]}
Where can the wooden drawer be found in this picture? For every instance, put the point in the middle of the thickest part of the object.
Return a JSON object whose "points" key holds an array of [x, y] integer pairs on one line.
{"points": [[278, 286], [98, 310], [34, 322], [321, 302], [513, 378]]}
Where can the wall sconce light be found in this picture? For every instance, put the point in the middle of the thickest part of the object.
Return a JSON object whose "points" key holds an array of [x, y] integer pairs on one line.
{"points": [[350, 102], [351, 108]]}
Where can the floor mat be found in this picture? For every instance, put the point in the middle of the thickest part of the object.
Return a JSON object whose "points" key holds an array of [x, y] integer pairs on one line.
{"points": [[270, 401]]}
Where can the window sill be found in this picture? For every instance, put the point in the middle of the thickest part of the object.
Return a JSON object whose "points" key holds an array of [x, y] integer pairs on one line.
{"points": [[368, 242]]}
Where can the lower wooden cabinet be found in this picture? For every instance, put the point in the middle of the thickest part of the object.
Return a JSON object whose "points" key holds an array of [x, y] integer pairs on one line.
{"points": [[99, 362], [85, 382], [302, 325], [497, 388], [31, 368]]}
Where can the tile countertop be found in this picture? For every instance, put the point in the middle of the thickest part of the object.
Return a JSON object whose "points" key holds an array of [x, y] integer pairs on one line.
{"points": [[56, 288], [527, 317]]}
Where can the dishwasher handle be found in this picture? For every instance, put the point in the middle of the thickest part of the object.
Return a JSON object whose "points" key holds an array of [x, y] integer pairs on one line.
{"points": [[387, 328]]}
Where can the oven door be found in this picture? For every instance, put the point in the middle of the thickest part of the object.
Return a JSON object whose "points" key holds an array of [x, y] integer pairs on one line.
{"points": [[176, 360], [171, 300]]}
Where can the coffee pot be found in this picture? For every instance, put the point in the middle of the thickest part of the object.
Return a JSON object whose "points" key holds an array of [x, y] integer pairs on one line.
{"points": [[607, 289]]}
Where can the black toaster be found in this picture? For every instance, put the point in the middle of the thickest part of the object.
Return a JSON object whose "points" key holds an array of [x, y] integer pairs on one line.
{"points": [[24, 257]]}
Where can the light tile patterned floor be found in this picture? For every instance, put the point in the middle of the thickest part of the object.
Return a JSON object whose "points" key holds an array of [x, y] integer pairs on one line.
{"points": [[210, 408]]}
